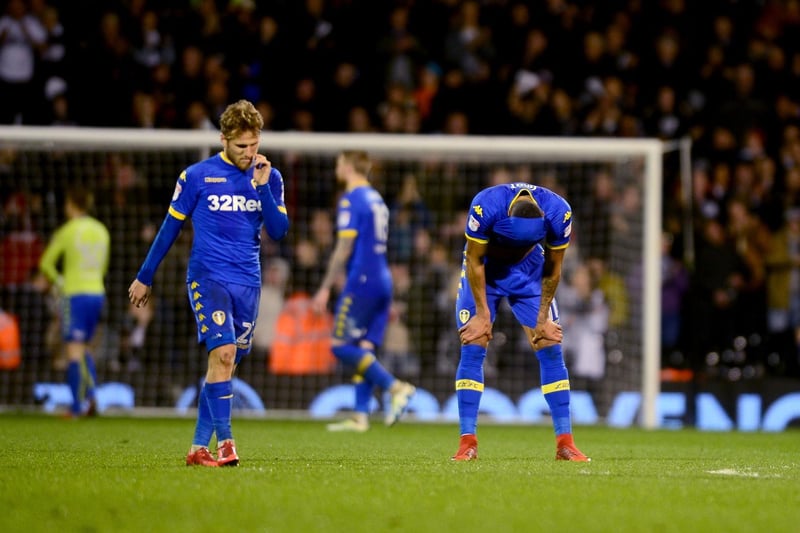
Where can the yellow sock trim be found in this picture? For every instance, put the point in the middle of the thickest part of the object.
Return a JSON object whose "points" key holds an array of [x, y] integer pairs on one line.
{"points": [[555, 386], [469, 384], [363, 365]]}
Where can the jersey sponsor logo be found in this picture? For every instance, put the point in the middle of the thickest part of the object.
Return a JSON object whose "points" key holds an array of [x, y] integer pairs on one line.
{"points": [[343, 220], [177, 193], [478, 210], [568, 230], [513, 186], [218, 317], [473, 223], [463, 316], [209, 179], [232, 203]]}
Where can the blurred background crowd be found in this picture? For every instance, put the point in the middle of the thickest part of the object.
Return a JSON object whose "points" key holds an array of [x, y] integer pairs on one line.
{"points": [[724, 73]]}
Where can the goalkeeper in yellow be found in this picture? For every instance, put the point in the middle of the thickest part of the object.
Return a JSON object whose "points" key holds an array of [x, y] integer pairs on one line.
{"points": [[81, 247], [516, 234]]}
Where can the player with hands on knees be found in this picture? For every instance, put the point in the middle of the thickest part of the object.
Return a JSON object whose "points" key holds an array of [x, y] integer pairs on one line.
{"points": [[516, 237]]}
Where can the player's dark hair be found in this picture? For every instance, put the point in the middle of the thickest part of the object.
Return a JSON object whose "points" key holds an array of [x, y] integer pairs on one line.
{"points": [[359, 159], [239, 117], [524, 209]]}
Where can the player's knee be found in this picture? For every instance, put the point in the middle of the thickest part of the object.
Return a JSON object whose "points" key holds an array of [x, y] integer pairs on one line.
{"points": [[223, 356], [483, 342]]}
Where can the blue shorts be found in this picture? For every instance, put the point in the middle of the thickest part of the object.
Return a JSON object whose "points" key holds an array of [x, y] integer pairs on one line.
{"points": [[80, 316], [225, 314], [362, 312], [520, 283]]}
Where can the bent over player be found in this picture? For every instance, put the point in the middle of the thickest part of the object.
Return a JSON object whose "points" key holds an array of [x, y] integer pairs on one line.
{"points": [[229, 197], [517, 235]]}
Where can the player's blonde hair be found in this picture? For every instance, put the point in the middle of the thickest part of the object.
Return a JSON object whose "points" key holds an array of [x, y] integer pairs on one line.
{"points": [[359, 159], [239, 117]]}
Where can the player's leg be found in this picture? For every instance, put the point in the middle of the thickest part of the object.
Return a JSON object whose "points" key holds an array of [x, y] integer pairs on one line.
{"points": [[91, 388], [214, 306], [469, 382], [199, 453], [75, 373], [359, 421], [80, 315], [554, 381], [365, 312], [92, 309], [219, 395], [203, 432]]}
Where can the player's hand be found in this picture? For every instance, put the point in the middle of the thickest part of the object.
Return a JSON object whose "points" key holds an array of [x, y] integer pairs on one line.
{"points": [[262, 168], [319, 303], [139, 293], [475, 329], [547, 334]]}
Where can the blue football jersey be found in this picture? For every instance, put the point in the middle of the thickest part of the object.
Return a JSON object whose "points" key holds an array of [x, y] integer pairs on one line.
{"points": [[226, 216], [491, 206], [363, 214]]}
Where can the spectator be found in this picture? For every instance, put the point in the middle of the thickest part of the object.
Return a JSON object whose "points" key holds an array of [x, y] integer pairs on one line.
{"points": [[584, 317], [23, 37], [783, 290]]}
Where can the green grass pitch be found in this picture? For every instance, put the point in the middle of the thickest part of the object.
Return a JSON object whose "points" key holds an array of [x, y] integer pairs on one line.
{"points": [[120, 474]]}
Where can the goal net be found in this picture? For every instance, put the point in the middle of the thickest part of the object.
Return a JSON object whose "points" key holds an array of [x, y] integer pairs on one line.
{"points": [[609, 296]]}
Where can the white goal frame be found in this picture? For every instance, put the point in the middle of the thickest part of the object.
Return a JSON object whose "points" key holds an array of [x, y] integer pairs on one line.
{"points": [[550, 149]]}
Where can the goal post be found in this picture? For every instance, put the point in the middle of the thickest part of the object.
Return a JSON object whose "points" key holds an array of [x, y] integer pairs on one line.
{"points": [[124, 163]]}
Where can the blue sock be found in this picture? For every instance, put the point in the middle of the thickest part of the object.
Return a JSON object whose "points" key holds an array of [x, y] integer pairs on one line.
{"points": [[220, 403], [92, 381], [363, 394], [74, 382], [555, 387], [469, 386], [204, 428], [365, 364]]}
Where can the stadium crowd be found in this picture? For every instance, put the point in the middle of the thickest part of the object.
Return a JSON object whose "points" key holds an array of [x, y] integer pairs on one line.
{"points": [[724, 73]]}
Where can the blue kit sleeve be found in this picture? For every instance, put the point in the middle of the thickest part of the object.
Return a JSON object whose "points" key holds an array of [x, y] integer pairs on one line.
{"points": [[166, 236], [276, 219]]}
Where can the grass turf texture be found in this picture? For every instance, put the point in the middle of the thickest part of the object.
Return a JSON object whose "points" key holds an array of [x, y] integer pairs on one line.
{"points": [[128, 474]]}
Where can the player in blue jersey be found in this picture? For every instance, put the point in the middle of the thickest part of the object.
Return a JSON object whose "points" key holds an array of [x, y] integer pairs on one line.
{"points": [[517, 235], [362, 309], [229, 197]]}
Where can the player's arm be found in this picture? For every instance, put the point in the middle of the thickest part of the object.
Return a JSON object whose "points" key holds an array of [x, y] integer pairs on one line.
{"points": [[337, 263], [139, 290], [551, 276], [268, 182], [49, 259], [480, 325]]}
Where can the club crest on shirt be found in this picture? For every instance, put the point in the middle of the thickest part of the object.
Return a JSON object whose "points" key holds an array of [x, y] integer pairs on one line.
{"points": [[177, 192], [218, 317], [463, 315], [473, 223]]}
